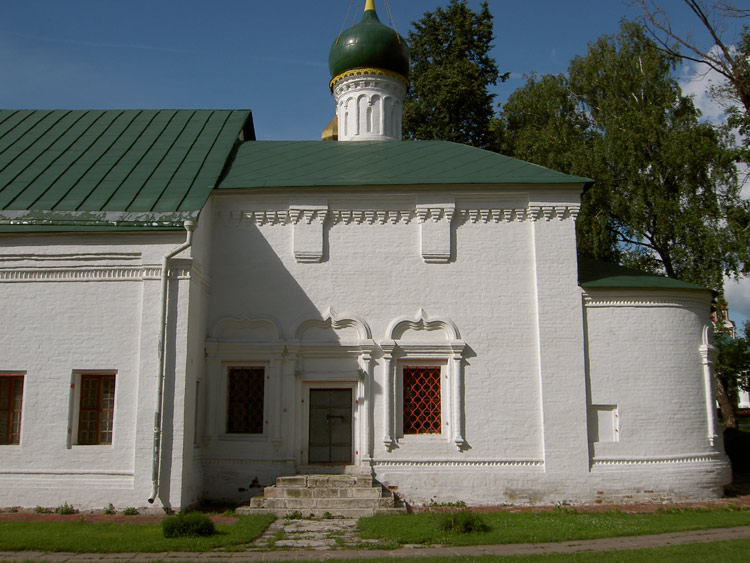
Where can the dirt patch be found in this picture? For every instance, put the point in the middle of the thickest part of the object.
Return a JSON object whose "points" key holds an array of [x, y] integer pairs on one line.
{"points": [[100, 517], [638, 507]]}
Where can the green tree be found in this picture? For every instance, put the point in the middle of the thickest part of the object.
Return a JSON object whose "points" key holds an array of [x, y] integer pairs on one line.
{"points": [[727, 57], [723, 47], [665, 196], [732, 369], [451, 72]]}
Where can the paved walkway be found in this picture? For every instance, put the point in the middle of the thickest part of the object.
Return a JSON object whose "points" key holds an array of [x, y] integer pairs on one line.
{"points": [[315, 540]]}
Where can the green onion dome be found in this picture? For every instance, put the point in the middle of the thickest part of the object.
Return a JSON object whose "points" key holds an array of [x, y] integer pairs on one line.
{"points": [[369, 45]]}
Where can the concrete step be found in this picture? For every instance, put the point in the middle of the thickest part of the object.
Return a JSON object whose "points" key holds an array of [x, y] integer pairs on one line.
{"points": [[318, 495], [323, 492], [315, 512], [314, 481], [327, 503]]}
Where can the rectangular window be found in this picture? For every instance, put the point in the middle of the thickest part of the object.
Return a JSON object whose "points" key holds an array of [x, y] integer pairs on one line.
{"points": [[96, 413], [422, 402], [245, 400], [11, 400]]}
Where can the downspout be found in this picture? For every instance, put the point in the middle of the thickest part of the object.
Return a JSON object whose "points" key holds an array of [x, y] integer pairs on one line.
{"points": [[708, 357], [189, 227]]}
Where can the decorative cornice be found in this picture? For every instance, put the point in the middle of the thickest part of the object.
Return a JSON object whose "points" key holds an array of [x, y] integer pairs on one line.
{"points": [[72, 257], [84, 274], [65, 473], [368, 73], [384, 463], [704, 458], [643, 299], [421, 214], [308, 214]]}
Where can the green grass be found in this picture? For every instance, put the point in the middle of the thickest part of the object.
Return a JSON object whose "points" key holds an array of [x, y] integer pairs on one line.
{"points": [[721, 551], [106, 537], [539, 527]]}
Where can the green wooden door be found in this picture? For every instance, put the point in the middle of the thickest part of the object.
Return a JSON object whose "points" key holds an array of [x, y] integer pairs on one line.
{"points": [[330, 426]]}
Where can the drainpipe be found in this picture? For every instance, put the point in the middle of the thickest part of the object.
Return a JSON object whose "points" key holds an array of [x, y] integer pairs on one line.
{"points": [[189, 227]]}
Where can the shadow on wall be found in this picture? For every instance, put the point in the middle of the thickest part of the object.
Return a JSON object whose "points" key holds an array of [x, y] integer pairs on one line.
{"points": [[249, 280]]}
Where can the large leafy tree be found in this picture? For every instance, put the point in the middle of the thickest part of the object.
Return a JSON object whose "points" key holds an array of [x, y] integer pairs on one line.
{"points": [[716, 48], [732, 370], [665, 196], [452, 70]]}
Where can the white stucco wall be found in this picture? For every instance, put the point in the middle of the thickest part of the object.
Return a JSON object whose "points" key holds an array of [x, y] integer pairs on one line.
{"points": [[646, 371], [85, 303], [341, 290]]}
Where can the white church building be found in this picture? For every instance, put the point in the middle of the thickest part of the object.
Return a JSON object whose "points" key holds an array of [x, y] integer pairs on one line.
{"points": [[189, 313]]}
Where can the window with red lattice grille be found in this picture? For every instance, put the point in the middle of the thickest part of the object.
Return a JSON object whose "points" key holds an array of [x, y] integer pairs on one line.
{"points": [[422, 403], [11, 399], [96, 414], [245, 400]]}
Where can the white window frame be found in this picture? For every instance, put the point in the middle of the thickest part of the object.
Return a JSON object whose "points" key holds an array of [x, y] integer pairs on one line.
{"points": [[74, 407], [446, 351], [445, 399], [224, 400], [21, 374]]}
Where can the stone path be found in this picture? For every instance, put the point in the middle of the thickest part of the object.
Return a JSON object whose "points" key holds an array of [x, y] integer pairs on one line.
{"points": [[318, 535], [315, 540]]}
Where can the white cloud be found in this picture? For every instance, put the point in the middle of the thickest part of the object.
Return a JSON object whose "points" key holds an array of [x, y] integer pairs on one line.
{"points": [[737, 294], [697, 80]]}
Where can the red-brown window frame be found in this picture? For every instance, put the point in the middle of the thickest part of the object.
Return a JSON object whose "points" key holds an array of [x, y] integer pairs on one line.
{"points": [[10, 438], [256, 425], [99, 410], [422, 414]]}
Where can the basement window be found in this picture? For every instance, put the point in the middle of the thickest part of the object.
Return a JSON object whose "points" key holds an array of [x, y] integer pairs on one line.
{"points": [[11, 401], [245, 395]]}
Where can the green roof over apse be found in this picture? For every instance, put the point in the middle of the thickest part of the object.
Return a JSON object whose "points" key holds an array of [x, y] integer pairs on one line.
{"points": [[379, 163], [595, 274], [112, 169]]}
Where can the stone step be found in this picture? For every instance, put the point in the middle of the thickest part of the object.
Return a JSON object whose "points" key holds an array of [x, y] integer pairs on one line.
{"points": [[331, 481], [316, 494], [316, 512], [323, 492], [327, 503]]}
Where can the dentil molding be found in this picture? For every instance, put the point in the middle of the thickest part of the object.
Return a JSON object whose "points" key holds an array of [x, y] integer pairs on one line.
{"points": [[385, 463], [678, 460], [116, 273], [418, 214]]}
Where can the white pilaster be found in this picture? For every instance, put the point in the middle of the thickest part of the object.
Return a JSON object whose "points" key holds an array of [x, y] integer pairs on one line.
{"points": [[389, 437], [560, 345]]}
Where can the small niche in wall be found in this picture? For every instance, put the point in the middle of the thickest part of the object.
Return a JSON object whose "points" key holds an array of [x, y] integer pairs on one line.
{"points": [[604, 423]]}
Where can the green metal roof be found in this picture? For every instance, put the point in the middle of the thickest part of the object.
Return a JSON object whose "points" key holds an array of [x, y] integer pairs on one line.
{"points": [[118, 169], [375, 163], [595, 274]]}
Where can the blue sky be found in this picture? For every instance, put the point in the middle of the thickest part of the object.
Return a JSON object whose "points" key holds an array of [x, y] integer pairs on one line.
{"points": [[269, 56]]}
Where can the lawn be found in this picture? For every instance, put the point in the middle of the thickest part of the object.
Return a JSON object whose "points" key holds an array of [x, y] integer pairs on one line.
{"points": [[424, 528], [108, 537], [540, 527]]}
